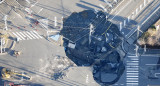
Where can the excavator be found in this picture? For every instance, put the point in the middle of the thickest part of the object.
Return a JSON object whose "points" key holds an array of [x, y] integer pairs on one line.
{"points": [[8, 74]]}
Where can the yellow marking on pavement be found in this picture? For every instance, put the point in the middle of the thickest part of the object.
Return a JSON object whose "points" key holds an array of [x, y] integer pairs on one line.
{"points": [[105, 35], [111, 45], [107, 29]]}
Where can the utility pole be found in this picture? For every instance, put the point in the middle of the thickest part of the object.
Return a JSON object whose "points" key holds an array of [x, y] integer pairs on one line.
{"points": [[5, 21], [120, 26], [1, 45], [4, 46], [124, 23], [129, 19], [136, 49], [91, 32], [55, 21], [145, 48], [62, 22], [138, 29]]}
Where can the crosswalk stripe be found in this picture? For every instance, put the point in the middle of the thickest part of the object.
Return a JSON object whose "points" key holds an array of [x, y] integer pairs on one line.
{"points": [[37, 34], [20, 36], [132, 76], [132, 61], [34, 34], [132, 66], [27, 35], [131, 81], [133, 71], [23, 35], [16, 36], [30, 35]]}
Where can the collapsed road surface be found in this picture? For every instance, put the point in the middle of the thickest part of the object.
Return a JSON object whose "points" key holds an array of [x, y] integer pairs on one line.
{"points": [[91, 40]]}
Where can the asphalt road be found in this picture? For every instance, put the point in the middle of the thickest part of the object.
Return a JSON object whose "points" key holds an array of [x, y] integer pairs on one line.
{"points": [[34, 50]]}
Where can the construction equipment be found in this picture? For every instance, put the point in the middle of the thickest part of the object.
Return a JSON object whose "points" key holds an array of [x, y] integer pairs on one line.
{"points": [[9, 74], [6, 73], [16, 53]]}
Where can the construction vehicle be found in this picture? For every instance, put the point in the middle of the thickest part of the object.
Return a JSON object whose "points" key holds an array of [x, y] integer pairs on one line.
{"points": [[17, 53], [8, 74]]}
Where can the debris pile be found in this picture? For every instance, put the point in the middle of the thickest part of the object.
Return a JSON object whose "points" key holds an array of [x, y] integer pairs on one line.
{"points": [[56, 67]]}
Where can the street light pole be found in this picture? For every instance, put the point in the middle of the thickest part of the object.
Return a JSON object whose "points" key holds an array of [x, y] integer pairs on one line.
{"points": [[1, 45], [4, 46], [90, 33], [55, 21], [136, 49], [5, 20]]}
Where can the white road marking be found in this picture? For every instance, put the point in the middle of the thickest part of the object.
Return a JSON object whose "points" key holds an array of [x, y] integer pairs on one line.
{"points": [[28, 1], [132, 84], [27, 35], [34, 34], [40, 10], [20, 36], [30, 35], [132, 81], [37, 34], [132, 61], [34, 4], [16, 36], [87, 79], [132, 71], [132, 76]]}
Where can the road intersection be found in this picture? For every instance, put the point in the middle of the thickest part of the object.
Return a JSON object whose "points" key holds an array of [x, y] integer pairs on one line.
{"points": [[127, 15]]}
